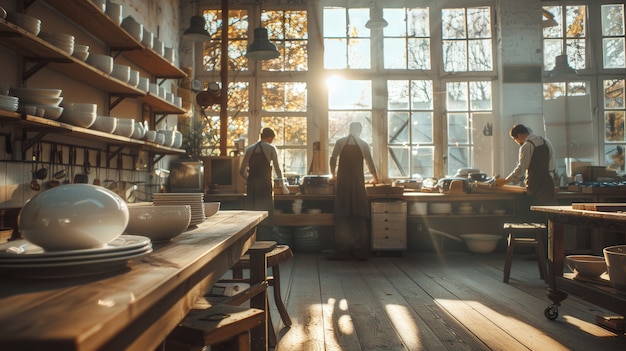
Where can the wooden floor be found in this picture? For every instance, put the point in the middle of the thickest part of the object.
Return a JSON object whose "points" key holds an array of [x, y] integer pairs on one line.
{"points": [[423, 302]]}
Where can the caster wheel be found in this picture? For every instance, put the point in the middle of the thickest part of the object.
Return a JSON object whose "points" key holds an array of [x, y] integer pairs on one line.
{"points": [[552, 312]]}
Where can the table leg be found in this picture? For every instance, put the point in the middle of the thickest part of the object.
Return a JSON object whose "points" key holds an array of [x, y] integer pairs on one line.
{"points": [[556, 253], [258, 273]]}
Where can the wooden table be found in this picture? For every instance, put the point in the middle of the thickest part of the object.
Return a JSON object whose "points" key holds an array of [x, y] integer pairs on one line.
{"points": [[132, 309], [598, 292]]}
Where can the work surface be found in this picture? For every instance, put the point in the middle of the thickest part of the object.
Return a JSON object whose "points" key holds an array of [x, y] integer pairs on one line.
{"points": [[132, 309]]}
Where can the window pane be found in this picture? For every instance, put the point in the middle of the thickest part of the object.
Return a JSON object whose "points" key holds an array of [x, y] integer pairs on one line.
{"points": [[422, 128], [614, 94], [335, 53], [613, 50], [357, 20], [398, 95], [423, 161], [349, 94], [339, 124], [480, 96], [479, 22], [398, 127], [359, 53], [419, 54], [398, 164], [614, 158], [335, 22], [480, 58], [457, 96], [397, 23], [454, 56], [281, 96], [458, 127], [395, 53], [453, 23], [458, 157], [614, 125], [419, 23], [421, 95]]}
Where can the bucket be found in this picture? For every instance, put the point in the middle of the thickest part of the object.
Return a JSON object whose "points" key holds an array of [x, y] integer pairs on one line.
{"points": [[306, 239]]}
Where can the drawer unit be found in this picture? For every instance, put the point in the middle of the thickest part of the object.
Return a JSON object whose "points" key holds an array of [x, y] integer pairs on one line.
{"points": [[388, 225]]}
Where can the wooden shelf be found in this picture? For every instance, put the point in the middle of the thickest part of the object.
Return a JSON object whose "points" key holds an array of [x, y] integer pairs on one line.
{"points": [[87, 15], [299, 220]]}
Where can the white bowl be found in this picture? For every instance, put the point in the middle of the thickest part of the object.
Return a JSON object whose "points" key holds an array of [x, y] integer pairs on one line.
{"points": [[81, 55], [143, 84], [53, 93], [159, 223], [168, 137], [481, 243], [314, 211], [101, 62], [31, 24], [81, 106], [586, 265], [51, 112], [81, 48], [105, 124], [121, 72], [150, 135], [139, 131], [133, 78], [616, 266], [78, 118], [39, 100], [134, 28], [178, 139], [211, 208], [125, 127], [147, 38], [73, 217]]}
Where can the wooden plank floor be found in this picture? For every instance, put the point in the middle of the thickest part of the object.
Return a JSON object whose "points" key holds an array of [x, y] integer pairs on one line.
{"points": [[423, 302]]}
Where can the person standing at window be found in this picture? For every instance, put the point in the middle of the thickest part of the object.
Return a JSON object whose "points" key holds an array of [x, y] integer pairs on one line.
{"points": [[256, 168], [351, 206]]}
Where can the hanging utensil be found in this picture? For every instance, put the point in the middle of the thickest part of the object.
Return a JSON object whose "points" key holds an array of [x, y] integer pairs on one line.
{"points": [[96, 180], [54, 181], [34, 183], [80, 178], [70, 156], [42, 172]]}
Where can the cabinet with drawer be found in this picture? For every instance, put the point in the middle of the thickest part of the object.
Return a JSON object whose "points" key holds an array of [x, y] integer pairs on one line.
{"points": [[388, 225]]}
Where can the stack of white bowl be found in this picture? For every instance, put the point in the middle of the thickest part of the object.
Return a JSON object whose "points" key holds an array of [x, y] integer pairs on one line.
{"points": [[114, 11], [125, 127], [101, 62], [144, 84], [151, 136], [139, 132], [8, 103], [158, 46], [168, 137], [121, 72], [147, 38], [29, 23], [47, 100], [81, 52], [63, 41], [440, 208], [133, 78], [105, 124], [80, 114], [134, 28]]}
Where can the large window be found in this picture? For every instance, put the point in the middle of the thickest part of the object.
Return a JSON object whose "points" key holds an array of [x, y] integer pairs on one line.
{"points": [[613, 45], [614, 113], [346, 39], [568, 36], [467, 41]]}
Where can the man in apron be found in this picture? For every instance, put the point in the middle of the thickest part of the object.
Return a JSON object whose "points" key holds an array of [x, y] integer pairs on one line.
{"points": [[351, 206], [536, 163], [256, 168]]}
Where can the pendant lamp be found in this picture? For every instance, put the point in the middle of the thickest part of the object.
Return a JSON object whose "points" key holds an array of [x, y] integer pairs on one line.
{"points": [[261, 48], [197, 30], [376, 19]]}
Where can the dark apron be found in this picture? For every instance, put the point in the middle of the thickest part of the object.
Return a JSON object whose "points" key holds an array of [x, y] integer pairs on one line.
{"points": [[539, 182], [259, 185], [350, 195]]}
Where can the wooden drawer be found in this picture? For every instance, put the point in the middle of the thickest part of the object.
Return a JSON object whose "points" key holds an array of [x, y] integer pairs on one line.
{"points": [[388, 206]]}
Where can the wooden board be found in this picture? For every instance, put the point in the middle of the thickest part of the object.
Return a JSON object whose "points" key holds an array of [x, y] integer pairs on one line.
{"points": [[601, 206]]}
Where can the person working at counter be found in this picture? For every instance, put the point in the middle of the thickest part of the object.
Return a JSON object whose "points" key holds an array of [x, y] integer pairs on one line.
{"points": [[256, 168], [536, 163], [351, 207]]}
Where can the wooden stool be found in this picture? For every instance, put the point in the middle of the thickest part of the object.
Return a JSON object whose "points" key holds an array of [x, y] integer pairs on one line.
{"points": [[278, 255], [531, 235], [223, 327]]}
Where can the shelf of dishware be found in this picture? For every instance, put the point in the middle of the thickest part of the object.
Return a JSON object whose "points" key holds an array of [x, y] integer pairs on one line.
{"points": [[89, 16], [40, 52], [44, 125]]}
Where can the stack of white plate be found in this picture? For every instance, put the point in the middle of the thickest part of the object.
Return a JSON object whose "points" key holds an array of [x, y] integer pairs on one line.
{"points": [[63, 41], [80, 114], [194, 200], [46, 99], [81, 52], [29, 23], [440, 208], [8, 103], [26, 259], [464, 208]]}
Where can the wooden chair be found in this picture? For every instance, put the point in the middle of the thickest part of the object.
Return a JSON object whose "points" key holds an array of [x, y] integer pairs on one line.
{"points": [[280, 254], [525, 234]]}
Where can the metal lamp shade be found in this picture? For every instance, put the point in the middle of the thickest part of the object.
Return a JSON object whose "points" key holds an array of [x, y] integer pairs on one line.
{"points": [[197, 30], [261, 48], [376, 19], [561, 67]]}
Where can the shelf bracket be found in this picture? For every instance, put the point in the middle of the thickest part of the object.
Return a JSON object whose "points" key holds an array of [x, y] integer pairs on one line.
{"points": [[33, 141], [112, 154], [116, 101], [36, 68], [158, 120], [156, 159]]}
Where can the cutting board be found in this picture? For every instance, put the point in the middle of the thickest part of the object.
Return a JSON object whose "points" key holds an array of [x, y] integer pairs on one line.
{"points": [[600, 206]]}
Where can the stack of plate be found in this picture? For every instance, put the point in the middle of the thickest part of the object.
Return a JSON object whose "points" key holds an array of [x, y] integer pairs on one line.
{"points": [[26, 259], [464, 208], [8, 103], [194, 200], [64, 42], [440, 208], [418, 208], [29, 23], [46, 99]]}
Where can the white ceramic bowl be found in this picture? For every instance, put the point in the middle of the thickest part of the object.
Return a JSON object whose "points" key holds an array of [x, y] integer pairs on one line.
{"points": [[139, 131], [150, 135], [147, 38], [178, 139], [121, 72], [143, 84], [481, 243], [105, 124], [134, 28], [616, 266], [101, 62], [168, 137], [51, 112], [133, 78], [81, 48], [73, 217], [40, 100], [81, 55], [53, 93], [159, 223], [31, 24], [82, 107], [78, 118], [586, 265], [125, 127], [211, 208]]}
